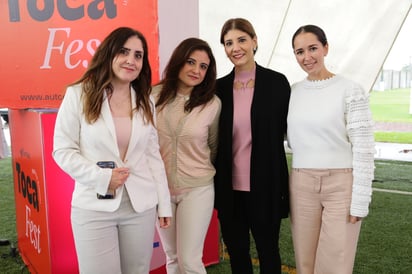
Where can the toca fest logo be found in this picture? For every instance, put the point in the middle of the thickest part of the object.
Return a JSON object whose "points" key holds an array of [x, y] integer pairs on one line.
{"points": [[27, 187], [43, 12]]}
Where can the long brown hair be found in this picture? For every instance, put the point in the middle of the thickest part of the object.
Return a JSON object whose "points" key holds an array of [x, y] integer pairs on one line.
{"points": [[99, 75], [201, 93]]}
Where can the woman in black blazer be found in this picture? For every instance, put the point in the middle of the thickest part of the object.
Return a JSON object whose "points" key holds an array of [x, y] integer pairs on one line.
{"points": [[251, 179]]}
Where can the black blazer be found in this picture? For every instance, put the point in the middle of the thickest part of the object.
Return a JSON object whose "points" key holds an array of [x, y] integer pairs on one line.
{"points": [[269, 170]]}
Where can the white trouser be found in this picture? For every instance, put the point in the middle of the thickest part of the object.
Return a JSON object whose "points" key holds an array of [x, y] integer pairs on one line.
{"points": [[114, 242], [183, 241]]}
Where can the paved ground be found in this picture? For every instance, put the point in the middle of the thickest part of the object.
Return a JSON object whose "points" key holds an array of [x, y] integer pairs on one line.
{"points": [[393, 126], [391, 151], [401, 152]]}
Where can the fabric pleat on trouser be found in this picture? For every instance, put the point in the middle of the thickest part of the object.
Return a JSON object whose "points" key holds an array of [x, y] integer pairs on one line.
{"points": [[119, 242], [324, 240], [183, 241]]}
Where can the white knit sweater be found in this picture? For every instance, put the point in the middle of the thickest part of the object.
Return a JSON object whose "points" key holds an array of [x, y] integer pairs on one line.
{"points": [[330, 126]]}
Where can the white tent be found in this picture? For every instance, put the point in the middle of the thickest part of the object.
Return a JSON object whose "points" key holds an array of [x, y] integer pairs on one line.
{"points": [[360, 33]]}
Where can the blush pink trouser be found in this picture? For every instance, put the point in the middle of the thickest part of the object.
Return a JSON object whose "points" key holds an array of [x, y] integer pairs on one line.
{"points": [[323, 238]]}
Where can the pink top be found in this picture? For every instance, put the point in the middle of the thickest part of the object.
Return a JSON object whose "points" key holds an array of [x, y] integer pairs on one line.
{"points": [[123, 127], [243, 88]]}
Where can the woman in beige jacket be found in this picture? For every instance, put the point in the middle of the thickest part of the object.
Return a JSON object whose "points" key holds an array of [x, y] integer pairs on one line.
{"points": [[187, 122]]}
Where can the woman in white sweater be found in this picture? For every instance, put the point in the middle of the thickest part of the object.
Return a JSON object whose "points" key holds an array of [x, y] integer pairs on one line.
{"points": [[330, 132]]}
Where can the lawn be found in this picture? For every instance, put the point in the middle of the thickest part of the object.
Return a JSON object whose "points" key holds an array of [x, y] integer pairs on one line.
{"points": [[391, 105], [393, 137], [394, 175], [385, 244]]}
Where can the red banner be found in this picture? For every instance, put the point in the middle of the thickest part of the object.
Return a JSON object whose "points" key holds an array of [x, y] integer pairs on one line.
{"points": [[47, 44]]}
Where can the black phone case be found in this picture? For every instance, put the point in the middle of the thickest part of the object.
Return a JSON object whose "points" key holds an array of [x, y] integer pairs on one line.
{"points": [[106, 164]]}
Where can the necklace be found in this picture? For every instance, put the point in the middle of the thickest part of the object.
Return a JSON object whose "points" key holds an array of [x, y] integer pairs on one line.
{"points": [[239, 85]]}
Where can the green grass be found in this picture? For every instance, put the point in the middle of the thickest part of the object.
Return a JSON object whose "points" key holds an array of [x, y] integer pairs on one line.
{"points": [[8, 263], [385, 243], [393, 175], [391, 105], [393, 137]]}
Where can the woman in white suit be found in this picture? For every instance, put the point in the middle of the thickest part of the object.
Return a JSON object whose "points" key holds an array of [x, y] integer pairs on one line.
{"points": [[108, 115]]}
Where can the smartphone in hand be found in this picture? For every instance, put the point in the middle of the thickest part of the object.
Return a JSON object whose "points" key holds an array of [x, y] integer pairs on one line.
{"points": [[111, 194], [106, 164]]}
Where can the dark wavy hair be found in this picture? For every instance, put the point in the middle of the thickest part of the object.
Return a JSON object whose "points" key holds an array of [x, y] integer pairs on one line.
{"points": [[237, 24], [201, 93], [99, 75], [317, 31]]}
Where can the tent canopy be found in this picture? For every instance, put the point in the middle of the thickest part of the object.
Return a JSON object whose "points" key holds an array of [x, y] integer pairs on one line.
{"points": [[360, 33]]}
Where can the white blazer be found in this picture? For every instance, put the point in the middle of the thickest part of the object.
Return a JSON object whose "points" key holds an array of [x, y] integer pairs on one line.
{"points": [[78, 146]]}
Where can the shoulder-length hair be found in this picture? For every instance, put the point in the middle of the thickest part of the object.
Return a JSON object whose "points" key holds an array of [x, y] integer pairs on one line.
{"points": [[99, 75], [201, 93], [237, 24]]}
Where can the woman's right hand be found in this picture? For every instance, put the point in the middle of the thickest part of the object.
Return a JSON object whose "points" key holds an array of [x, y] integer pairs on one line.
{"points": [[119, 177], [164, 222]]}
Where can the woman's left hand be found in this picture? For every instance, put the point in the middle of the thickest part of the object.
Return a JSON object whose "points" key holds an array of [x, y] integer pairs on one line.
{"points": [[354, 219]]}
